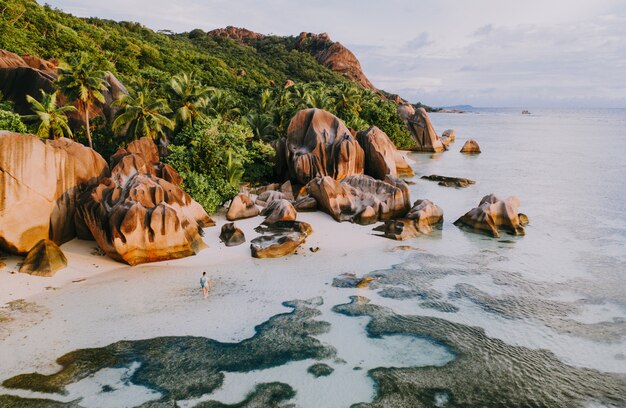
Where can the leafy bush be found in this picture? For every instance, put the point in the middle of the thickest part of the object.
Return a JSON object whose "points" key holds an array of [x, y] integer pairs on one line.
{"points": [[201, 155], [12, 122]]}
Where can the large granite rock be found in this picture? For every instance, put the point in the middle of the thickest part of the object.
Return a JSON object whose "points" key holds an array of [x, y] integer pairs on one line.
{"points": [[382, 159], [44, 259], [447, 137], [279, 210], [280, 239], [267, 197], [426, 214], [493, 214], [230, 235], [361, 199], [39, 187], [136, 217], [318, 144], [470, 147], [334, 56], [241, 207], [423, 216], [422, 131]]}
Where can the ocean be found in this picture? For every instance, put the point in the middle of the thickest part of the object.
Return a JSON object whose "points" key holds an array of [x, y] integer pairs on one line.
{"points": [[457, 319]]}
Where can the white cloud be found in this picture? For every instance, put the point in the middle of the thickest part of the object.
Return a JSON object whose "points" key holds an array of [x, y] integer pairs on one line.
{"points": [[487, 52]]}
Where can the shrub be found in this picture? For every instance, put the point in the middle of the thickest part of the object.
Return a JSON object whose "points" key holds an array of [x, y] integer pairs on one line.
{"points": [[12, 122]]}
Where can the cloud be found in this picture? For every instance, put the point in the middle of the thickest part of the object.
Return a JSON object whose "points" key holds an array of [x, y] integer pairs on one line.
{"points": [[420, 41]]}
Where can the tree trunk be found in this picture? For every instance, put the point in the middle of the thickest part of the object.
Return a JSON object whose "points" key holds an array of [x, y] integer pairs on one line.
{"points": [[87, 123]]}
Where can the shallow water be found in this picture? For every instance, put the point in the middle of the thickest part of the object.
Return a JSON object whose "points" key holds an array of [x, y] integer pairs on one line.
{"points": [[462, 320]]}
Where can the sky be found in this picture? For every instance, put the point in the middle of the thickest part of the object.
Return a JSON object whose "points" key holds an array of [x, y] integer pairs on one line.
{"points": [[531, 53]]}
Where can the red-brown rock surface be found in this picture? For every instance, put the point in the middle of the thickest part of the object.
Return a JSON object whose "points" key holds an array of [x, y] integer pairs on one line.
{"points": [[241, 207], [361, 199], [382, 159], [241, 35], [39, 187], [422, 131], [136, 217], [493, 214], [318, 144], [280, 239], [279, 210], [21, 76]]}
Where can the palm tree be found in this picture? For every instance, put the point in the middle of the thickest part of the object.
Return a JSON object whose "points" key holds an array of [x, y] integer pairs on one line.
{"points": [[261, 124], [234, 168], [221, 103], [188, 98], [348, 98], [52, 119], [322, 100], [83, 82], [142, 115]]}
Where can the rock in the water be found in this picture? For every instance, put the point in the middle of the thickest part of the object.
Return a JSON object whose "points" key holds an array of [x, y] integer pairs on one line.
{"points": [[280, 239], [361, 198], [44, 259], [318, 144], [241, 207], [450, 181], [320, 370], [265, 198], [381, 156], [470, 147], [230, 235], [279, 210], [39, 187], [493, 214], [447, 137], [399, 229], [426, 215], [422, 131], [137, 217]]}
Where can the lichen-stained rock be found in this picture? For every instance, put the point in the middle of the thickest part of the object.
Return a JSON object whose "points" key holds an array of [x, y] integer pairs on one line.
{"points": [[470, 147], [137, 217], [241, 207], [422, 131], [280, 239], [493, 214], [361, 199], [230, 235], [450, 181], [44, 259], [318, 144], [279, 210], [381, 156], [39, 187], [426, 214], [265, 198]]}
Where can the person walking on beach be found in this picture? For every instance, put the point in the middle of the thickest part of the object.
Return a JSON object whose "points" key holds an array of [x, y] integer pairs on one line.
{"points": [[204, 284]]}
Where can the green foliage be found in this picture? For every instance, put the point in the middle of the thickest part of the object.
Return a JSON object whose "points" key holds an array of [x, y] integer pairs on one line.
{"points": [[142, 114], [12, 122], [213, 155], [53, 122]]}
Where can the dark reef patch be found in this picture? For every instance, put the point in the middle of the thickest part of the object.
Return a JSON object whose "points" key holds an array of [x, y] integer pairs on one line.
{"points": [[320, 370], [188, 367], [486, 373]]}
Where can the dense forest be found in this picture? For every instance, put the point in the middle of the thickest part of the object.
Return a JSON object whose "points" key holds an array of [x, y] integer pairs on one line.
{"points": [[214, 104]]}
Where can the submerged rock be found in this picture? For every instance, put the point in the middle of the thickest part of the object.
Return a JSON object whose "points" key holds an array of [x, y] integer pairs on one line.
{"points": [[493, 214], [470, 147], [230, 235], [241, 207], [279, 210], [422, 131], [280, 239], [382, 159], [44, 259], [361, 198], [320, 370], [39, 187], [136, 217], [450, 181], [319, 144]]}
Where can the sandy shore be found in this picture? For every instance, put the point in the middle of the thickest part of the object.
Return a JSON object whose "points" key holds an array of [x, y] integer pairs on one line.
{"points": [[97, 301]]}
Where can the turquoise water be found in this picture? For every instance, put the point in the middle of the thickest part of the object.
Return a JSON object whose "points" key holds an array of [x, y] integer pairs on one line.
{"points": [[464, 320]]}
